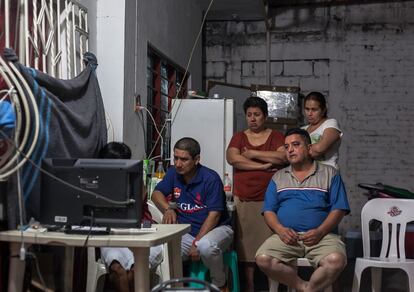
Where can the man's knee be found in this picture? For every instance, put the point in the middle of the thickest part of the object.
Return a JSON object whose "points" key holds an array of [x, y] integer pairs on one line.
{"points": [[264, 261], [334, 261], [207, 248], [117, 268]]}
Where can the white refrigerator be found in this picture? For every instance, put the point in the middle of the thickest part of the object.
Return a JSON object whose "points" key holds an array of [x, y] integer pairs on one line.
{"points": [[211, 123]]}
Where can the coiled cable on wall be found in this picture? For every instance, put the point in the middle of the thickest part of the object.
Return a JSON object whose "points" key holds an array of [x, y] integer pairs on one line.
{"points": [[24, 103], [25, 107]]}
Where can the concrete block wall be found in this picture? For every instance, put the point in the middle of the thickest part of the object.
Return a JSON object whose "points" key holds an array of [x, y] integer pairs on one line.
{"points": [[360, 56]]}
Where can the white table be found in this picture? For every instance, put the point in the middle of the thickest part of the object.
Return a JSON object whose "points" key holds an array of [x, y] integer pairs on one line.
{"points": [[139, 244]]}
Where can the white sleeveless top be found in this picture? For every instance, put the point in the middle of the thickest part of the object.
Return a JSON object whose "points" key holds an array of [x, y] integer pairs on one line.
{"points": [[332, 155]]}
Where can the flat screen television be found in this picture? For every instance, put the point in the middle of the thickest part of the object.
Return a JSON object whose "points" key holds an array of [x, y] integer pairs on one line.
{"points": [[120, 180]]}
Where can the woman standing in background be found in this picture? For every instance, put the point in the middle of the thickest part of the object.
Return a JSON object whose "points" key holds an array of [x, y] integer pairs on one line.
{"points": [[255, 154], [325, 133]]}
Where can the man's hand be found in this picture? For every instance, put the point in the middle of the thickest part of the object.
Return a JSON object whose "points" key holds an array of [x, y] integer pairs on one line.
{"points": [[194, 254], [311, 237], [288, 236], [170, 217]]}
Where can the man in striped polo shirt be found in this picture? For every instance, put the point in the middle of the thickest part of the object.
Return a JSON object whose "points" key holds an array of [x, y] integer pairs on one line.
{"points": [[304, 203]]}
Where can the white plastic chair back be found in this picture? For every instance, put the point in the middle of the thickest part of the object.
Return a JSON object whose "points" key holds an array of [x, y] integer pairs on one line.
{"points": [[163, 270], [155, 212], [96, 269], [394, 215]]}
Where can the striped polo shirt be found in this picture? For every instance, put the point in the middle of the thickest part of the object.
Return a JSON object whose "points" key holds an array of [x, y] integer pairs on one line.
{"points": [[305, 205]]}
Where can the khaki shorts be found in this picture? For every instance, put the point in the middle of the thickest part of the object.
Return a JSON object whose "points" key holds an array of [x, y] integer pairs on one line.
{"points": [[276, 248]]}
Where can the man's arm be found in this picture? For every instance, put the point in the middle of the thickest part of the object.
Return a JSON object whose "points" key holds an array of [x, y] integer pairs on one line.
{"points": [[208, 225], [237, 160], [170, 217], [287, 235], [313, 236]]}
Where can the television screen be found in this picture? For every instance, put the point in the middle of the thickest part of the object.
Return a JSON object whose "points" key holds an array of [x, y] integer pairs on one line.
{"points": [[109, 192]]}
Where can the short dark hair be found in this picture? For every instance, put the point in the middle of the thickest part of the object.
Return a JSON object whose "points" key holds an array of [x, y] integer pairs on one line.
{"points": [[188, 144], [115, 150], [254, 101], [320, 98], [298, 131]]}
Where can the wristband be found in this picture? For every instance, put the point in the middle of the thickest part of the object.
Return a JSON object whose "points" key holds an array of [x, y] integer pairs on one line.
{"points": [[195, 242]]}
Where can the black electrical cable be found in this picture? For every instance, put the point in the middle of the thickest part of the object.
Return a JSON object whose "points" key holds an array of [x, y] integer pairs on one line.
{"points": [[39, 274]]}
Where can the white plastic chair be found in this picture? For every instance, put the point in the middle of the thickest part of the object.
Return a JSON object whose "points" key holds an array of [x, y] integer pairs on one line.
{"points": [[394, 215], [163, 270], [155, 212], [300, 262], [97, 268]]}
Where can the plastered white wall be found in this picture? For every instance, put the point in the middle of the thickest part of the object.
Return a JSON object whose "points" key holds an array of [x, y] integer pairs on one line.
{"points": [[110, 40]]}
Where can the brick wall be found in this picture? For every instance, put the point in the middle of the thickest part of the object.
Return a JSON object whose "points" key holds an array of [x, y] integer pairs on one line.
{"points": [[360, 56]]}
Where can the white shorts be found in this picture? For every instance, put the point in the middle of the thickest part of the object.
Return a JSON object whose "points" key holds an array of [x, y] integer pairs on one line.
{"points": [[125, 257]]}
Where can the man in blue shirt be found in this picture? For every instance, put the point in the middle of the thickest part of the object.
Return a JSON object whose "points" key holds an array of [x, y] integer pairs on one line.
{"points": [[304, 204], [193, 194]]}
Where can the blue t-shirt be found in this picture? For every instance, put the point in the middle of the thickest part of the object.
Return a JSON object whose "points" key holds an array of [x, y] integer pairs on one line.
{"points": [[304, 206], [204, 193]]}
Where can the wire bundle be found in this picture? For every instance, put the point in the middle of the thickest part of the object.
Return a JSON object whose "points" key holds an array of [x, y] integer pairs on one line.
{"points": [[27, 117]]}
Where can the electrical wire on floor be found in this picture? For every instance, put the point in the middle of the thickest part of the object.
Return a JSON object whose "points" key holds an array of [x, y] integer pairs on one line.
{"points": [[33, 256]]}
